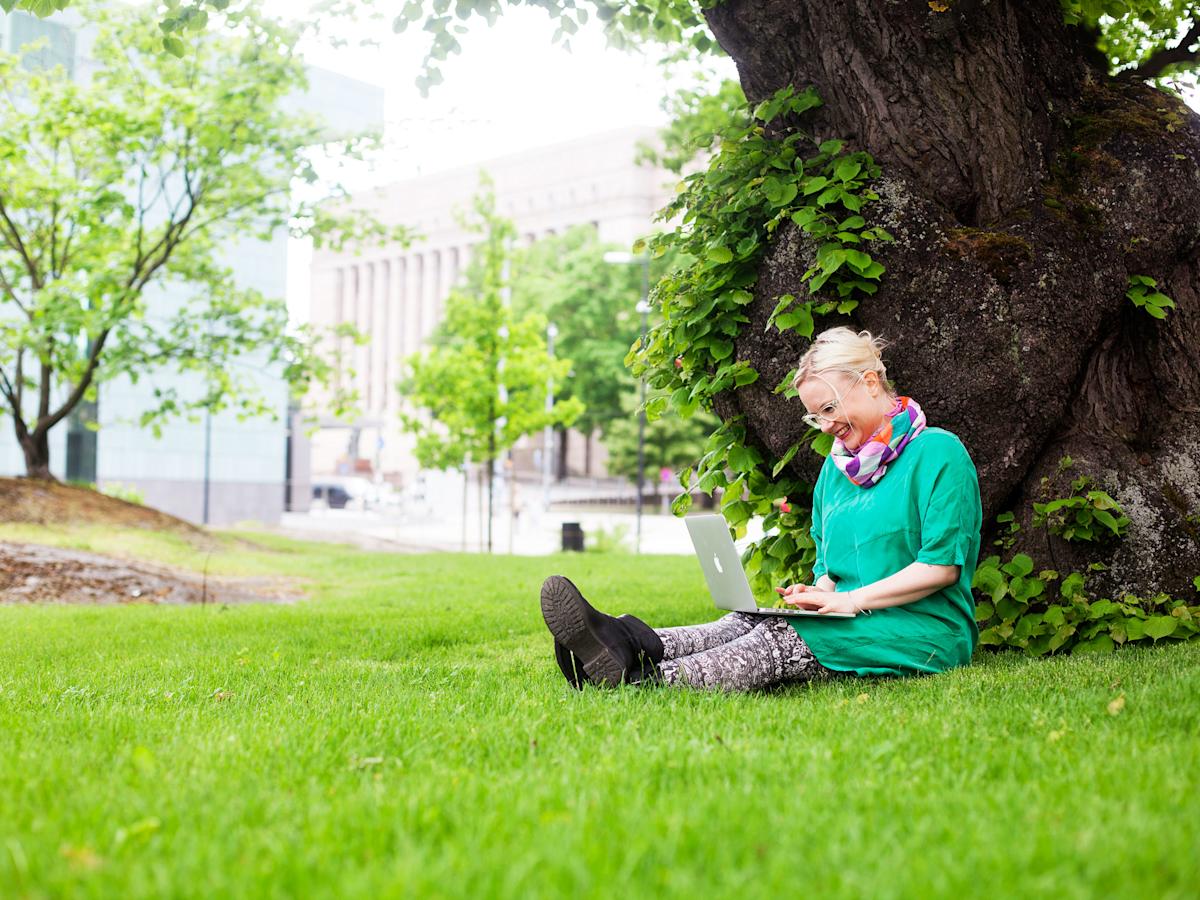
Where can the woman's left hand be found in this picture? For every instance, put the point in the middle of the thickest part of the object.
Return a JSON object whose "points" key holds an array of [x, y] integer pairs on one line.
{"points": [[824, 601]]}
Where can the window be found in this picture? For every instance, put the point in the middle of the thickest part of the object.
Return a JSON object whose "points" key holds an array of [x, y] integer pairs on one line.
{"points": [[57, 50]]}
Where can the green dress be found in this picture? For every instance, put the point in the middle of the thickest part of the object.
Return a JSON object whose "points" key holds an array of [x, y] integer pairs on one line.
{"points": [[925, 508]]}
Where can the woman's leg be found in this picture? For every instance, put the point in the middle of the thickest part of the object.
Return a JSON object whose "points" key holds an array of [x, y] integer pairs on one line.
{"points": [[770, 653], [684, 640]]}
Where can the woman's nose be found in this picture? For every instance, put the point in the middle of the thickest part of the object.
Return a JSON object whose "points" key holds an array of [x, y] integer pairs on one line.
{"points": [[827, 426]]}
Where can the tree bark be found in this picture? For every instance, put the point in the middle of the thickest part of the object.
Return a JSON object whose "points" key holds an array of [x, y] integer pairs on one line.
{"points": [[36, 447], [1023, 186], [563, 435]]}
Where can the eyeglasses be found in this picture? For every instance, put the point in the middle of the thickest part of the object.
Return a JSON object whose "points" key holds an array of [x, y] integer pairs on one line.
{"points": [[829, 410]]}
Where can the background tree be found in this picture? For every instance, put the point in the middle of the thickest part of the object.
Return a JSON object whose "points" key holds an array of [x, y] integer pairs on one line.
{"points": [[135, 181], [594, 306], [670, 442], [482, 384]]}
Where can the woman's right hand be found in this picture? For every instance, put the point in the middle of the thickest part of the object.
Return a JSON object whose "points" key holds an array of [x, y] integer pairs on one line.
{"points": [[793, 590]]}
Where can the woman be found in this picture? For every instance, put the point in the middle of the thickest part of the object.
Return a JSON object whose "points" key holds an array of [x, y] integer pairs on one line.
{"points": [[896, 520]]}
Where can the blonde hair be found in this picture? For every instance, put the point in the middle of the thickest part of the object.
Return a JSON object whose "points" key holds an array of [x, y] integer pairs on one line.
{"points": [[844, 350]]}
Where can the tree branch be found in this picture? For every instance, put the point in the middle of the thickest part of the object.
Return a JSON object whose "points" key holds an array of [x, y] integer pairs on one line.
{"points": [[21, 381], [9, 393], [1154, 66], [48, 421], [45, 381], [11, 293], [14, 240]]}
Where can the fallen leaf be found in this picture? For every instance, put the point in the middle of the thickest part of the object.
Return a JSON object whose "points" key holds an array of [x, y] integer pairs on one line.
{"points": [[81, 859], [1116, 705]]}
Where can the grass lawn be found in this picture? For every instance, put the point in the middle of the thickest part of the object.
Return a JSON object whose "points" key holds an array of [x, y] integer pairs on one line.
{"points": [[405, 733]]}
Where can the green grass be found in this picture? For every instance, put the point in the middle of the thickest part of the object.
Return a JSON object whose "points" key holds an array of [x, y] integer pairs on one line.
{"points": [[405, 733]]}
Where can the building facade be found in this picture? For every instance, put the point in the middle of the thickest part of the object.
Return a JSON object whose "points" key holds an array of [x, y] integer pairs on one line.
{"points": [[395, 294]]}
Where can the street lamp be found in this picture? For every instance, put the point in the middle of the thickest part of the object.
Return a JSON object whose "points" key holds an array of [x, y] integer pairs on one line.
{"points": [[548, 433], [621, 257]]}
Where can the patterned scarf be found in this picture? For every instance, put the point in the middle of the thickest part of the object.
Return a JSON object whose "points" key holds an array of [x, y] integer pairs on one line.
{"points": [[867, 465]]}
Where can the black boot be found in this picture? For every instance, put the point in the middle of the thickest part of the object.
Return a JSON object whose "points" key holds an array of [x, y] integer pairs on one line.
{"points": [[606, 649], [572, 666]]}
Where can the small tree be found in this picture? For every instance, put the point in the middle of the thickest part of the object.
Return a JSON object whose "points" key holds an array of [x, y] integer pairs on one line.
{"points": [[670, 442], [113, 189], [483, 383], [593, 305]]}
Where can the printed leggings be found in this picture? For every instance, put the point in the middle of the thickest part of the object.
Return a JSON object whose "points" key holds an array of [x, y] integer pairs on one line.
{"points": [[738, 652]]}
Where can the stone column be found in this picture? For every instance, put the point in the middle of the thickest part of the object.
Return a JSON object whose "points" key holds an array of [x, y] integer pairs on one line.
{"points": [[412, 303], [429, 293], [362, 321], [379, 338], [397, 333]]}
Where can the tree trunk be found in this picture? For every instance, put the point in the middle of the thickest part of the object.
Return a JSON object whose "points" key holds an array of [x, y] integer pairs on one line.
{"points": [[36, 447], [1023, 186], [563, 434], [491, 479]]}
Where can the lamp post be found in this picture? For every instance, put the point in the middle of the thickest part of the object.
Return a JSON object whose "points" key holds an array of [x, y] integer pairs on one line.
{"points": [[548, 432], [619, 257]]}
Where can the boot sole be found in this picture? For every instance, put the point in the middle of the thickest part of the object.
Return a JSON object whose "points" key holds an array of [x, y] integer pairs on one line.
{"points": [[566, 615]]}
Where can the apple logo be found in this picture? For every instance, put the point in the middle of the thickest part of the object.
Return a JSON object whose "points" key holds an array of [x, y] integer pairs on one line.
{"points": [[717, 563]]}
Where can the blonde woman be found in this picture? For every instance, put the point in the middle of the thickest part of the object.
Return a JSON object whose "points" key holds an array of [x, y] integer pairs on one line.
{"points": [[896, 520]]}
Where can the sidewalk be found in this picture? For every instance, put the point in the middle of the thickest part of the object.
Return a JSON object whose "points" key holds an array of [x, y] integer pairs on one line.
{"points": [[535, 533]]}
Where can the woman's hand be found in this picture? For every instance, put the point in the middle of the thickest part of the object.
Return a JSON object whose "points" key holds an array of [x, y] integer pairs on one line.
{"points": [[804, 596]]}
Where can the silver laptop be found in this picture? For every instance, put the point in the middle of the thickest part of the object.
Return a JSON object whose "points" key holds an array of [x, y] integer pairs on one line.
{"points": [[722, 567]]}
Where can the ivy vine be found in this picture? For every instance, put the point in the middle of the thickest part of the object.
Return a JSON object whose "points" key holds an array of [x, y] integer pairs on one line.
{"points": [[1016, 608], [1087, 514], [1143, 293], [765, 171]]}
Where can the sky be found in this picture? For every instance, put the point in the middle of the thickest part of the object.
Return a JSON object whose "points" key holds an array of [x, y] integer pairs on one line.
{"points": [[510, 89]]}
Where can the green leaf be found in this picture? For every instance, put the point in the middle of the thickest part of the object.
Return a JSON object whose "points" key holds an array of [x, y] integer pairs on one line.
{"points": [[743, 459], [787, 458], [721, 349], [805, 215], [1020, 564], [173, 45], [831, 255], [858, 260], [1025, 589], [1101, 643], [799, 319], [681, 504], [847, 169], [1009, 608], [814, 184], [1161, 626], [720, 255]]}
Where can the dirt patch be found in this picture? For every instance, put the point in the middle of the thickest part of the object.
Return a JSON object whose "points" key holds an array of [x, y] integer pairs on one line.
{"points": [[31, 573], [35, 502]]}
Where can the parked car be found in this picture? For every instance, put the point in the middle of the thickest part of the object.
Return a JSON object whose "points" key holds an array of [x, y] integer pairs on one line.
{"points": [[333, 496]]}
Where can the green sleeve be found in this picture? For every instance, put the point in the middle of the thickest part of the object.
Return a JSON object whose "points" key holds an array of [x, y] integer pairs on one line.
{"points": [[816, 530], [951, 511]]}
